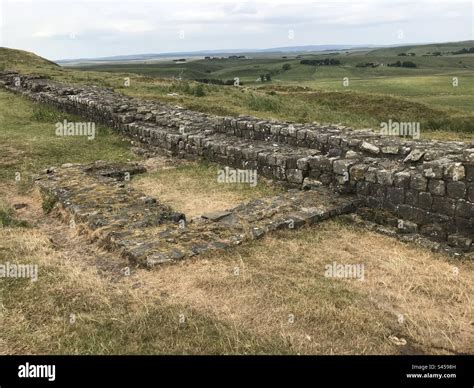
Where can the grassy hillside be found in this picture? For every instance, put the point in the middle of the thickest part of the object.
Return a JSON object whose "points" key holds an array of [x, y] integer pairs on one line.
{"points": [[305, 93], [11, 59]]}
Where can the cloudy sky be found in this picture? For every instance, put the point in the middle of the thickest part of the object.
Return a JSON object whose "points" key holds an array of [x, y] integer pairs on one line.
{"points": [[59, 29]]}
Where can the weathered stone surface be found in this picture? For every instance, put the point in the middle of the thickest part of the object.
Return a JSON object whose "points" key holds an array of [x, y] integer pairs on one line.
{"points": [[396, 195], [455, 171], [469, 170], [405, 226], [294, 176], [456, 189], [371, 175], [418, 182], [470, 192], [425, 200], [465, 209], [433, 170], [357, 172], [390, 150], [414, 156], [460, 241], [369, 147], [444, 205], [149, 233], [437, 186], [411, 197], [341, 166], [384, 177], [402, 179], [309, 184]]}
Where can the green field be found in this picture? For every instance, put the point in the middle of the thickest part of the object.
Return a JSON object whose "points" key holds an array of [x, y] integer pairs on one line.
{"points": [[303, 93], [373, 94]]}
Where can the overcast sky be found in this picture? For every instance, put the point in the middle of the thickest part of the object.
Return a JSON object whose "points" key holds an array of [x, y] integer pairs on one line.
{"points": [[59, 29]]}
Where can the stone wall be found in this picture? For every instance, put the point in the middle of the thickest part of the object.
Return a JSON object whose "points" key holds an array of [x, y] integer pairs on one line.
{"points": [[415, 185]]}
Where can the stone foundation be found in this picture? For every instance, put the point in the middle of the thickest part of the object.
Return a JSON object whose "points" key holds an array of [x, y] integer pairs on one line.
{"points": [[96, 201]]}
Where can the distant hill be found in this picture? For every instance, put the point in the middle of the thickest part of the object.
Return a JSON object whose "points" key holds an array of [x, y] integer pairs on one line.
{"points": [[221, 52], [12, 59], [423, 49]]}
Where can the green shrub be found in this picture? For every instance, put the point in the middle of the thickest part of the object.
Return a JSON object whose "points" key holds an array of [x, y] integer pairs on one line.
{"points": [[199, 91]]}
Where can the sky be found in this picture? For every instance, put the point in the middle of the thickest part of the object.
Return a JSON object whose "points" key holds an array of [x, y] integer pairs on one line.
{"points": [[66, 29]]}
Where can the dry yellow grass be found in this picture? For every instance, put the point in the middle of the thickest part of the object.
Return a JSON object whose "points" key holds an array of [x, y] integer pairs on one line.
{"points": [[270, 296], [192, 188], [284, 275]]}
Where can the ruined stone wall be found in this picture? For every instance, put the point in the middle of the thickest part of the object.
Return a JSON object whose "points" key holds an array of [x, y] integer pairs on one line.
{"points": [[415, 185]]}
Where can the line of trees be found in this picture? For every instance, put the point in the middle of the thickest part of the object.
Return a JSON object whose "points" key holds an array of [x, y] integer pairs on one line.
{"points": [[402, 64], [320, 62]]}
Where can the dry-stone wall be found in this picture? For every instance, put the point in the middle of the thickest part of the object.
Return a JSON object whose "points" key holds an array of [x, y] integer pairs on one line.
{"points": [[417, 186]]}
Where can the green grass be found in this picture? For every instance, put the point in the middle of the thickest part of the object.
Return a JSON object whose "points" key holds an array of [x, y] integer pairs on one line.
{"points": [[425, 94], [28, 141], [308, 93]]}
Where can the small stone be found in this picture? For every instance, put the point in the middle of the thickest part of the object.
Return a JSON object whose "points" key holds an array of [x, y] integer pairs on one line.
{"points": [[390, 150], [369, 147], [414, 156], [352, 155], [309, 184]]}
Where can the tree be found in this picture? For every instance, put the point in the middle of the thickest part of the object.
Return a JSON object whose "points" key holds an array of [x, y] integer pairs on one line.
{"points": [[408, 64], [286, 67]]}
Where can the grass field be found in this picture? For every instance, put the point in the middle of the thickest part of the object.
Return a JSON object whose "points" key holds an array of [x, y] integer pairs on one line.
{"points": [[266, 297], [269, 297]]}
